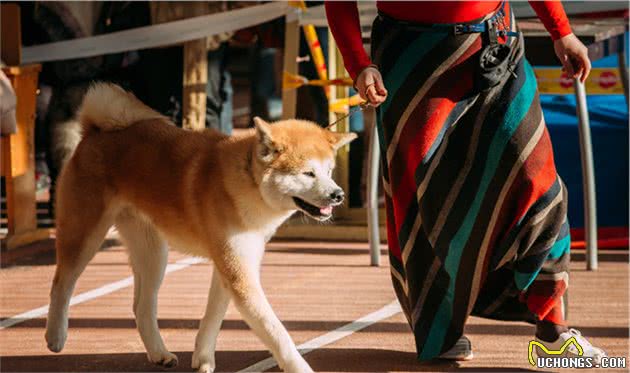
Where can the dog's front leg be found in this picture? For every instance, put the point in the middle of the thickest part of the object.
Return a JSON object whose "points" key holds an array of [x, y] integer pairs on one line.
{"points": [[206, 342], [241, 272]]}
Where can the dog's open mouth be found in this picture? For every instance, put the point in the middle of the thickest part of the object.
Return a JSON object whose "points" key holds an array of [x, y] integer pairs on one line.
{"points": [[316, 212]]}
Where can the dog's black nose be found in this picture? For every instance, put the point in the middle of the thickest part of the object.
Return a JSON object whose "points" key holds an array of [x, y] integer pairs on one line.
{"points": [[337, 195]]}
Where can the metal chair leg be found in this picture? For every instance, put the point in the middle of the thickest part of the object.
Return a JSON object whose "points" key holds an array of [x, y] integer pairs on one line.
{"points": [[372, 197], [588, 177]]}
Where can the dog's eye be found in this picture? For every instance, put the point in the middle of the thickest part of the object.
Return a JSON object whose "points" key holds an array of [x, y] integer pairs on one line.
{"points": [[309, 173]]}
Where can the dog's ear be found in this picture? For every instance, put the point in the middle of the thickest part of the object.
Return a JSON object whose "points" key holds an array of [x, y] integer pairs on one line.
{"points": [[339, 139], [266, 149]]}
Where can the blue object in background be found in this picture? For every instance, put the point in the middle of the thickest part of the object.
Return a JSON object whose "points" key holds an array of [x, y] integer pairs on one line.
{"points": [[356, 119], [609, 132]]}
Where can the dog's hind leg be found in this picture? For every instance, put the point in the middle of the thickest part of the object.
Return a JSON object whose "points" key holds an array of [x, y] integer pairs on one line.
{"points": [[82, 223], [148, 254], [240, 269], [206, 342]]}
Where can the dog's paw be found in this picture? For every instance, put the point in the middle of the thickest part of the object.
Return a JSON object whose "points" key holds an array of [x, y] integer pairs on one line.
{"points": [[206, 368], [165, 359], [203, 364], [55, 341], [298, 366]]}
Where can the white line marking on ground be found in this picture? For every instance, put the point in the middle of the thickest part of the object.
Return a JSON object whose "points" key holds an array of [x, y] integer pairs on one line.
{"points": [[333, 336], [95, 293]]}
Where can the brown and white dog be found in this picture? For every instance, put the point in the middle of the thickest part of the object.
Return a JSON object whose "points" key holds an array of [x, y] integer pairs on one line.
{"points": [[206, 194]]}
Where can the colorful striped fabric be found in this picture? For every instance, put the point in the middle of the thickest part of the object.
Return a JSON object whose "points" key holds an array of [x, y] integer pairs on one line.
{"points": [[476, 213]]}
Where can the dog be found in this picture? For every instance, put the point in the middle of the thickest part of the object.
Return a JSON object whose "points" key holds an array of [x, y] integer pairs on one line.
{"points": [[205, 194]]}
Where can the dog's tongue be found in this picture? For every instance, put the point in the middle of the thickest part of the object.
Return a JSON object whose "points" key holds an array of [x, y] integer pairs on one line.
{"points": [[326, 210]]}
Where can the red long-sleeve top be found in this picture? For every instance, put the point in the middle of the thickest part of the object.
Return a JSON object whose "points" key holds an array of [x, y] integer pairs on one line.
{"points": [[343, 19]]}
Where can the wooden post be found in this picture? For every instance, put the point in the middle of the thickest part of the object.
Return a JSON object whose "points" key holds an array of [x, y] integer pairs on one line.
{"points": [[195, 82], [195, 78], [18, 159], [291, 50], [337, 70], [17, 156], [195, 57]]}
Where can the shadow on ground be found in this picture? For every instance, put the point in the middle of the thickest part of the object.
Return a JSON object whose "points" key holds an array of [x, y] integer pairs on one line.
{"points": [[516, 329], [40, 253], [323, 251], [122, 362], [323, 360], [302, 325], [383, 360], [618, 256]]}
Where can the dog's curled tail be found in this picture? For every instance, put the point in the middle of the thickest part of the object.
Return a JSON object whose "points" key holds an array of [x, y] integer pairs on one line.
{"points": [[108, 107]]}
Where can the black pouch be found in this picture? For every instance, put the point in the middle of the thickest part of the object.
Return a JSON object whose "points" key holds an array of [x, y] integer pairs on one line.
{"points": [[494, 61]]}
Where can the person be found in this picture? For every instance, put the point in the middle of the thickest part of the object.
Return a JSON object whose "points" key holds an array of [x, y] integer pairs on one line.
{"points": [[476, 213]]}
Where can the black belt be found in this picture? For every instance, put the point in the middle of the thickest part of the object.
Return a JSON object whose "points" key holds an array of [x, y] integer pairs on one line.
{"points": [[488, 25]]}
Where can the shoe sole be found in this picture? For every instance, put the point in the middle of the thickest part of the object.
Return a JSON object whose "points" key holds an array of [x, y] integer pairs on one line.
{"points": [[466, 357]]}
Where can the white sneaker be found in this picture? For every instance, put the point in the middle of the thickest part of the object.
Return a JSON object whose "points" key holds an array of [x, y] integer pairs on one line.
{"points": [[462, 351], [571, 350]]}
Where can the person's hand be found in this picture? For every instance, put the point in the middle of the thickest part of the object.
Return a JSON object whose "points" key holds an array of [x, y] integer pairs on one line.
{"points": [[574, 56], [369, 85]]}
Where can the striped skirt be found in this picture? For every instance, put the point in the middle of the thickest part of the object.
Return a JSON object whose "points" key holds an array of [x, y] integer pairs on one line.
{"points": [[476, 212]]}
